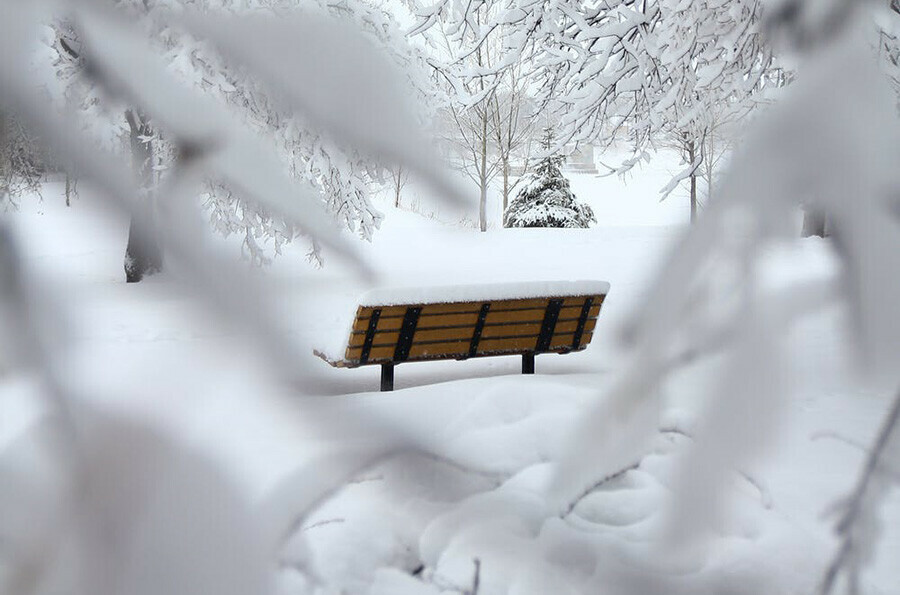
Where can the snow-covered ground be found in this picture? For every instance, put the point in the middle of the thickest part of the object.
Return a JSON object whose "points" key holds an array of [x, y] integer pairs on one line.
{"points": [[429, 524]]}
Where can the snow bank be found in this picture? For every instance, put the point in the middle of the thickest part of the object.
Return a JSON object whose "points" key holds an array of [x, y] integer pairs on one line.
{"points": [[414, 525]]}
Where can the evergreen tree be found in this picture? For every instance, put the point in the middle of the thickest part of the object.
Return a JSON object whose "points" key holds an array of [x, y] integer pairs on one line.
{"points": [[545, 199]]}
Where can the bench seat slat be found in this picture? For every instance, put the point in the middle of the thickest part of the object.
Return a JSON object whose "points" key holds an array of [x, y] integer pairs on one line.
{"points": [[425, 321], [364, 312], [433, 321], [464, 333], [535, 315], [461, 333], [459, 349], [532, 329]]}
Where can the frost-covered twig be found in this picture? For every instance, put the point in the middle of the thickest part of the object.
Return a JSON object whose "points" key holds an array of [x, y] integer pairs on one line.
{"points": [[689, 172], [324, 522], [495, 477], [857, 527], [446, 585], [832, 435], [765, 495], [587, 492]]}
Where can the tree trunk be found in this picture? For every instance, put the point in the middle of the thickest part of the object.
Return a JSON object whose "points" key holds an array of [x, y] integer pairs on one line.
{"points": [[68, 191], [691, 157], [710, 162], [505, 184], [813, 223], [142, 254], [482, 204], [693, 198], [398, 185]]}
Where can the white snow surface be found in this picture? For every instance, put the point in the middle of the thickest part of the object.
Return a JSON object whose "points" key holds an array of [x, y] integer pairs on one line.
{"points": [[390, 296], [422, 524]]}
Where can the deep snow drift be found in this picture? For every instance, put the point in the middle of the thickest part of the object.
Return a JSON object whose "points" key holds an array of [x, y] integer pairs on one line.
{"points": [[478, 511]]}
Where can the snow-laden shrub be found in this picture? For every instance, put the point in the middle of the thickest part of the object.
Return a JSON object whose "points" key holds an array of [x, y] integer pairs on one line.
{"points": [[546, 200]]}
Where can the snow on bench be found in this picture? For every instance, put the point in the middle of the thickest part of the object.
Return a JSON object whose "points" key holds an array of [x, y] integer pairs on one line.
{"points": [[399, 325]]}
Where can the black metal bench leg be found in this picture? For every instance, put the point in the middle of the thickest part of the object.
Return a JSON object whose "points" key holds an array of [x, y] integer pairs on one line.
{"points": [[387, 377], [528, 363]]}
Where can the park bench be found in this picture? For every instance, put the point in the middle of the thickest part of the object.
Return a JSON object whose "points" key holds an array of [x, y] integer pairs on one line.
{"points": [[393, 327]]}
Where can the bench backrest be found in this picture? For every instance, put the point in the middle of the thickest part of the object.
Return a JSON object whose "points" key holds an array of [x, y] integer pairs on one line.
{"points": [[459, 330]]}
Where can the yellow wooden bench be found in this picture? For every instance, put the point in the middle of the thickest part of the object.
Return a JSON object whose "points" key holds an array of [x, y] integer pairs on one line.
{"points": [[387, 333]]}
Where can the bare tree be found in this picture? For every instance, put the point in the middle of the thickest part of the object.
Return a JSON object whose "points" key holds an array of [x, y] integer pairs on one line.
{"points": [[719, 143], [142, 254], [71, 188], [512, 126], [399, 177], [20, 161], [692, 155], [472, 102], [473, 140], [474, 125], [701, 155]]}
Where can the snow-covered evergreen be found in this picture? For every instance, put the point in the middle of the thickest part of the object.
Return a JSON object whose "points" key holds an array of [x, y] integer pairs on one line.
{"points": [[546, 200]]}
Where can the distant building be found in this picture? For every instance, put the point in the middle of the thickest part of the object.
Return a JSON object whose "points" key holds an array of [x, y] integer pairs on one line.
{"points": [[581, 160]]}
